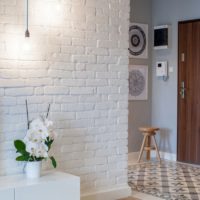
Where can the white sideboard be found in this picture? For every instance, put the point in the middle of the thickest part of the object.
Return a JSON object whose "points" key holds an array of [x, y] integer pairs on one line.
{"points": [[51, 186], [7, 194]]}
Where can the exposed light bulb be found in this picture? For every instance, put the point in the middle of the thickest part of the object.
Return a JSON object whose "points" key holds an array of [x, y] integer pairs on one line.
{"points": [[27, 45], [58, 7]]}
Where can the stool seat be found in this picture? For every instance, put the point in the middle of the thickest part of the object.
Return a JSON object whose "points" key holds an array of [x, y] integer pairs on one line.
{"points": [[149, 132], [148, 129]]}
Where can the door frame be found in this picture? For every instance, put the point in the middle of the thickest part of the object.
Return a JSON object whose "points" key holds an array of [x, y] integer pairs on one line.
{"points": [[178, 71]]}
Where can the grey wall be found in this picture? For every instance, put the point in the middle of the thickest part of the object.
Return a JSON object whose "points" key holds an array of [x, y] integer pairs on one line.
{"points": [[140, 111], [164, 94]]}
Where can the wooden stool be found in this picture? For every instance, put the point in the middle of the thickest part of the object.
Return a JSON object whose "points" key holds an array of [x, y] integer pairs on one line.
{"points": [[149, 132]]}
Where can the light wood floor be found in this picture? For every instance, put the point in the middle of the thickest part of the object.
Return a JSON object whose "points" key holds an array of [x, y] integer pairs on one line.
{"points": [[141, 196], [129, 198]]}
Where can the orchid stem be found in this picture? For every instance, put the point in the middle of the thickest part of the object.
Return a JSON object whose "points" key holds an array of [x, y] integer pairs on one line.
{"points": [[27, 114], [48, 111]]}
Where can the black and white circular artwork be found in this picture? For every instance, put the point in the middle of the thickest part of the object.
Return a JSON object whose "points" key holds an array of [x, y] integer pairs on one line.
{"points": [[138, 40], [138, 83]]}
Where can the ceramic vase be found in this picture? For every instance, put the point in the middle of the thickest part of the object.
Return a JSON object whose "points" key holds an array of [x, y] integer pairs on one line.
{"points": [[33, 169]]}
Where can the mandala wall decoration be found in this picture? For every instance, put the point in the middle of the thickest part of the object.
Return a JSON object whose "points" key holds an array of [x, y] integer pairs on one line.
{"points": [[138, 82], [138, 40]]}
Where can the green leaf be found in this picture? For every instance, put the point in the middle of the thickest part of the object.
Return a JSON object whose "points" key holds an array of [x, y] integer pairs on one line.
{"points": [[21, 158], [19, 145], [53, 161], [21, 148], [49, 142], [23, 152], [39, 159]]}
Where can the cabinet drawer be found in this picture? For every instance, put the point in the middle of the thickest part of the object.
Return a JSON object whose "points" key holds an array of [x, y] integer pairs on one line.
{"points": [[7, 194], [54, 190]]}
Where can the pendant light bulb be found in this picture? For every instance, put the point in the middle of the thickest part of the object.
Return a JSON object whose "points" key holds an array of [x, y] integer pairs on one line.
{"points": [[58, 7], [26, 45]]}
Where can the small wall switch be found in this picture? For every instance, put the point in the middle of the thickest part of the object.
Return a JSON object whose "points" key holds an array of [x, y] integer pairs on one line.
{"points": [[171, 69]]}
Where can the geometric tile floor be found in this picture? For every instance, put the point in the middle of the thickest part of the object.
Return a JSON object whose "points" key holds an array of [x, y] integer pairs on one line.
{"points": [[168, 180]]}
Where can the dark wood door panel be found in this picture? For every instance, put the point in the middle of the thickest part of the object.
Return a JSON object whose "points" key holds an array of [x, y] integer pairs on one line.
{"points": [[181, 102], [189, 107]]}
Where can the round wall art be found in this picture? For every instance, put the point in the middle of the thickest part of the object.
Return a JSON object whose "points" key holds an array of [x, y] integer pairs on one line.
{"points": [[138, 82], [138, 40]]}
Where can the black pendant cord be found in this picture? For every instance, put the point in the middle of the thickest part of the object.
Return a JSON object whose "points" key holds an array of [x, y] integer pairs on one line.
{"points": [[27, 33]]}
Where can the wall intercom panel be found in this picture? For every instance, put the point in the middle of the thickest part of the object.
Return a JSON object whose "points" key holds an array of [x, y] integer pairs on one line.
{"points": [[162, 69]]}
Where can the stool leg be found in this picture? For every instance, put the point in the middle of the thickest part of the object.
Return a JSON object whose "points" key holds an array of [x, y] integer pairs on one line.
{"points": [[142, 148], [148, 144], [157, 150]]}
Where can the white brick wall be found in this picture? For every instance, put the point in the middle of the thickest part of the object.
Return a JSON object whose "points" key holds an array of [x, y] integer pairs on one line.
{"points": [[78, 62]]}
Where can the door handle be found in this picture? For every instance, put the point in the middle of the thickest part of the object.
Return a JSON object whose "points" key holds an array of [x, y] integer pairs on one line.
{"points": [[182, 90]]}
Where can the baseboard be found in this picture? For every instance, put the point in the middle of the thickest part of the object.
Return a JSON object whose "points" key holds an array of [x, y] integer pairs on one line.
{"points": [[113, 193], [133, 156], [165, 156]]}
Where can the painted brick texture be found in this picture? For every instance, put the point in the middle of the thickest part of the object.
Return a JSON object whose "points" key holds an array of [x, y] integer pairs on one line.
{"points": [[77, 60]]}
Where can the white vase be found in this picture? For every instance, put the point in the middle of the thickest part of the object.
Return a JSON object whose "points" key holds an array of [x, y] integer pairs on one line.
{"points": [[33, 169]]}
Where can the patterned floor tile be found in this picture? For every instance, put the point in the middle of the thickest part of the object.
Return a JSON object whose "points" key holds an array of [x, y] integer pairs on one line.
{"points": [[169, 180]]}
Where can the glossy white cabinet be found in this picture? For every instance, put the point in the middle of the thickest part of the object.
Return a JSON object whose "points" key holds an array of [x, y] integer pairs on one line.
{"points": [[7, 194], [51, 186]]}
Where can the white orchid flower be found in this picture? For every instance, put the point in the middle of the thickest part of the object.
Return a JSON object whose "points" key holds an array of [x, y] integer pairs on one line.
{"points": [[36, 124], [40, 129], [33, 136], [42, 151], [48, 123], [31, 148]]}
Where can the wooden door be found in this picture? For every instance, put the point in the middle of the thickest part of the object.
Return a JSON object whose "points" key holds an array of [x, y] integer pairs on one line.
{"points": [[189, 92]]}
